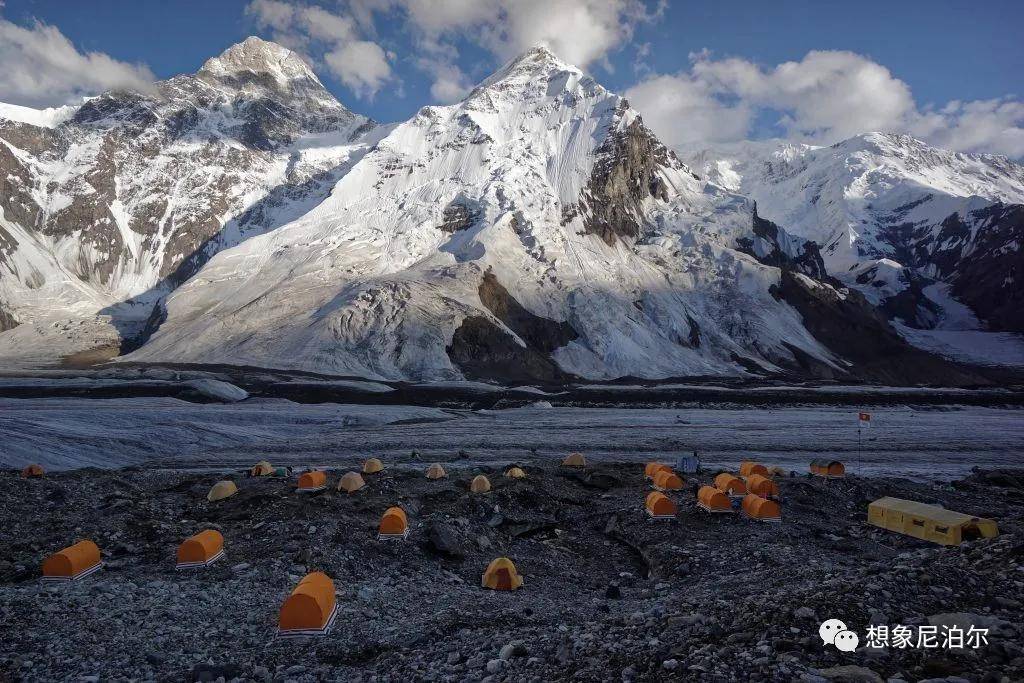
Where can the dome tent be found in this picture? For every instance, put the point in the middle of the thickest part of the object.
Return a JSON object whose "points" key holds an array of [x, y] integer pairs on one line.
{"points": [[574, 460], [480, 484], [73, 563], [32, 471], [748, 468], [313, 480], [351, 482], [515, 473], [652, 468], [393, 524], [762, 486], [200, 550], [761, 509], [221, 490], [501, 575], [311, 608], [435, 471], [711, 499], [732, 485], [659, 506], [667, 480], [261, 469], [372, 466], [831, 469]]}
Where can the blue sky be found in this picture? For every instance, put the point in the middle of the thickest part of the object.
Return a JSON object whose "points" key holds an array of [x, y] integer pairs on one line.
{"points": [[950, 72]]}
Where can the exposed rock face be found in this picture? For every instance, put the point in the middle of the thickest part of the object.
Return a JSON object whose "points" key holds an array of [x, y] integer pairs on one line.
{"points": [[7, 321], [458, 216], [483, 350], [849, 326], [625, 174], [983, 256], [773, 246], [115, 199]]}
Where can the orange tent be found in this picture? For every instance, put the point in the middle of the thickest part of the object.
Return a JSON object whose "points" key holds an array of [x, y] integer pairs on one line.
{"points": [[659, 506], [730, 484], [711, 499], [652, 468], [313, 480], [351, 482], [480, 484], [310, 609], [261, 469], [72, 563], [221, 490], [574, 460], [762, 486], [747, 468], [435, 471], [501, 575], [832, 469], [372, 466], [32, 470], [515, 473], [667, 480], [200, 550], [761, 509], [393, 524]]}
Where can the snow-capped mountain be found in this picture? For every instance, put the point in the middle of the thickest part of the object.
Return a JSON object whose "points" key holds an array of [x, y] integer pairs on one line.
{"points": [[907, 224], [535, 230], [126, 196]]}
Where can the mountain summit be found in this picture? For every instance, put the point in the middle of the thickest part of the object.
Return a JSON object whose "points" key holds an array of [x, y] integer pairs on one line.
{"points": [[535, 231]]}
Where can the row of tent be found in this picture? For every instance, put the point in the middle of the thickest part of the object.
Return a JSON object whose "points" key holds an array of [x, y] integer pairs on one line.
{"points": [[316, 480], [309, 610]]}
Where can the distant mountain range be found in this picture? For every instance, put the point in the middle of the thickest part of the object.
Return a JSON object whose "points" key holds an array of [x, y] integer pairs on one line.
{"points": [[536, 231]]}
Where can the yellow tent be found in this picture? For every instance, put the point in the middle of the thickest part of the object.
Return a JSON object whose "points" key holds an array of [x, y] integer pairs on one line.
{"points": [[221, 490], [480, 484], [929, 522], [372, 466], [574, 460], [351, 482], [515, 473], [435, 471], [501, 575]]}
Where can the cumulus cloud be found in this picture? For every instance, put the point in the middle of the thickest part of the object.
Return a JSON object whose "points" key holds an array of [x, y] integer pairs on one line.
{"points": [[825, 97], [42, 68], [582, 32], [334, 39]]}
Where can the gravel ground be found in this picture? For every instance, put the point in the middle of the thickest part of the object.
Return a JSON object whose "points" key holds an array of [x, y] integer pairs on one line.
{"points": [[608, 595]]}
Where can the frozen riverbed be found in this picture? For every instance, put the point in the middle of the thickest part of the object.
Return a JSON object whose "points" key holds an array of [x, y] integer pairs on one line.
{"points": [[928, 442]]}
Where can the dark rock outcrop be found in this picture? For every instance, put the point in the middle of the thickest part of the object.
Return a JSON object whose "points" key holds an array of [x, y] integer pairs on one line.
{"points": [[625, 174], [853, 329], [775, 247], [483, 350]]}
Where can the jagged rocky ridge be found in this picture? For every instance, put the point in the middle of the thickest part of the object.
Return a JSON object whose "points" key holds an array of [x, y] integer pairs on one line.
{"points": [[906, 224], [537, 230]]}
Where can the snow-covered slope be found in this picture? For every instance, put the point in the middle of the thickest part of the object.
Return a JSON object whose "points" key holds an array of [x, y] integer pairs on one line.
{"points": [[106, 207], [535, 230], [891, 214]]}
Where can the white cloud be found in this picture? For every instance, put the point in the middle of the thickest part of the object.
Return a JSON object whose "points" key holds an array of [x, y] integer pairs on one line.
{"points": [[361, 65], [335, 39], [42, 68], [582, 32], [825, 97]]}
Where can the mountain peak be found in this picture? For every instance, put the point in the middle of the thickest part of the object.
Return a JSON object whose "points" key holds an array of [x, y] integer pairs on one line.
{"points": [[258, 56]]}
